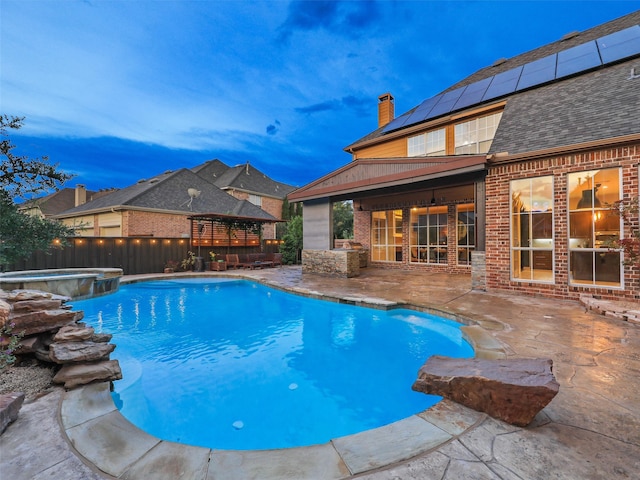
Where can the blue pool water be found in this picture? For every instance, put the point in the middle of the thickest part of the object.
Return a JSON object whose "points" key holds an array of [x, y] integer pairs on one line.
{"points": [[232, 364]]}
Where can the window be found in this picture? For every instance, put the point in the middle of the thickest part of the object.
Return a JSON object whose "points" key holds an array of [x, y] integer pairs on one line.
{"points": [[466, 233], [435, 143], [592, 225], [475, 136], [255, 199], [431, 144], [532, 229], [415, 145], [428, 237], [386, 233]]}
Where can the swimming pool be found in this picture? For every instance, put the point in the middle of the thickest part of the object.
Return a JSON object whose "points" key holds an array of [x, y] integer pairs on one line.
{"points": [[232, 364]]}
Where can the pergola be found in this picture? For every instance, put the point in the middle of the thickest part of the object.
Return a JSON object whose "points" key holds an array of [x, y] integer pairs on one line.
{"points": [[213, 230]]}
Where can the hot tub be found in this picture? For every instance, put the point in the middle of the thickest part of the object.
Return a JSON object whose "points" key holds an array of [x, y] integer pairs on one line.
{"points": [[76, 283]]}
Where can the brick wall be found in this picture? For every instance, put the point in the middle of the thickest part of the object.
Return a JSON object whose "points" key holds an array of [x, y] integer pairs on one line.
{"points": [[137, 223], [498, 274]]}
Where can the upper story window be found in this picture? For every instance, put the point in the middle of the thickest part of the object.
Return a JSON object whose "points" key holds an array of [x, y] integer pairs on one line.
{"points": [[431, 144], [470, 137], [475, 136], [415, 145], [255, 199]]}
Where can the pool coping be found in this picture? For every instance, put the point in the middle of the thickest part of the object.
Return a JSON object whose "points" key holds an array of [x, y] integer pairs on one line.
{"points": [[108, 441]]}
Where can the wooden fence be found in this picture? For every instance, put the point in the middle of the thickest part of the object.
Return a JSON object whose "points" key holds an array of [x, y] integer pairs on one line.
{"points": [[135, 255]]}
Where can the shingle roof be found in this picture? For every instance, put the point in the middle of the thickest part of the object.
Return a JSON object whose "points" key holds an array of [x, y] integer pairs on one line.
{"points": [[596, 106], [59, 201], [563, 112], [170, 192], [242, 177]]}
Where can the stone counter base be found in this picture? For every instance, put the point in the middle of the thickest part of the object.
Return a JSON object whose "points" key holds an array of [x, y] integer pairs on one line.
{"points": [[339, 262]]}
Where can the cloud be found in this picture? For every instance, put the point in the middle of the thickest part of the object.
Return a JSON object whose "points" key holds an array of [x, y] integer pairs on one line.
{"points": [[273, 129], [329, 105], [361, 105], [343, 18]]}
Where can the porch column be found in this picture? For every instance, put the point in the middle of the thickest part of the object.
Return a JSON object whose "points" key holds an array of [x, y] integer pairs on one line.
{"points": [[317, 225]]}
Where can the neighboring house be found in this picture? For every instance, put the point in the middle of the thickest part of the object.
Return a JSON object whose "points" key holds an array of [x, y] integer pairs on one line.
{"points": [[245, 182], [59, 201], [506, 174], [161, 207]]}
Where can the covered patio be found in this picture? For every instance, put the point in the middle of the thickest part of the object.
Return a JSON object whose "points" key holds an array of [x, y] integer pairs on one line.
{"points": [[410, 213]]}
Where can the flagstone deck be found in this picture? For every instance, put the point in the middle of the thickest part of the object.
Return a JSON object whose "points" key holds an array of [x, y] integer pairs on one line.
{"points": [[590, 430]]}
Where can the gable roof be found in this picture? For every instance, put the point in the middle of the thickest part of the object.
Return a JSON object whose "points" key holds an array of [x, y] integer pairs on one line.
{"points": [[368, 174], [555, 93], [181, 191], [245, 177]]}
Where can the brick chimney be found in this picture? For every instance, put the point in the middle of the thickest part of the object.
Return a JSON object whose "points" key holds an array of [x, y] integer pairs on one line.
{"points": [[385, 109], [81, 195]]}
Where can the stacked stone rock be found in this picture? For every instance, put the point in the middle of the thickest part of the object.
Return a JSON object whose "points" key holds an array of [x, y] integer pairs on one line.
{"points": [[54, 333]]}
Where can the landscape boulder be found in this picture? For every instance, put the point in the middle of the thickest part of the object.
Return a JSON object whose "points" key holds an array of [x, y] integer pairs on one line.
{"points": [[73, 333], [74, 375], [10, 405], [68, 352], [512, 390], [44, 320]]}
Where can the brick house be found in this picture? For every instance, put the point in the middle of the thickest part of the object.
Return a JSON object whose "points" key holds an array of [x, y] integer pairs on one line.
{"points": [[162, 206], [507, 175]]}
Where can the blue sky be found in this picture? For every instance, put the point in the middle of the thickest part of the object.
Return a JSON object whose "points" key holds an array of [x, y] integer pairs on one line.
{"points": [[115, 91]]}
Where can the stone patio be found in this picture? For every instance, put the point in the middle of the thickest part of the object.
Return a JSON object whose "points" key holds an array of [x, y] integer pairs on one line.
{"points": [[590, 430]]}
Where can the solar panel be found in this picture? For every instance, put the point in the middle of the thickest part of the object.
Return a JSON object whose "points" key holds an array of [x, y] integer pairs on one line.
{"points": [[619, 45], [578, 59], [446, 103], [396, 123], [610, 48], [537, 72], [503, 84], [473, 93], [423, 111]]}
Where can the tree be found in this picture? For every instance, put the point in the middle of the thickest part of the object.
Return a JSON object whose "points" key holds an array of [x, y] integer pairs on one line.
{"points": [[20, 175], [292, 242], [628, 211], [21, 234], [343, 219]]}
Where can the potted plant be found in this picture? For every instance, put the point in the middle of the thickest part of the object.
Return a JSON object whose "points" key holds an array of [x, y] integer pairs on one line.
{"points": [[170, 266], [189, 262], [217, 263]]}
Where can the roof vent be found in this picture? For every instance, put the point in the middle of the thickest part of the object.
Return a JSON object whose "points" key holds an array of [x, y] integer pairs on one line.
{"points": [[168, 171], [153, 180], [570, 35], [499, 61], [142, 180]]}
